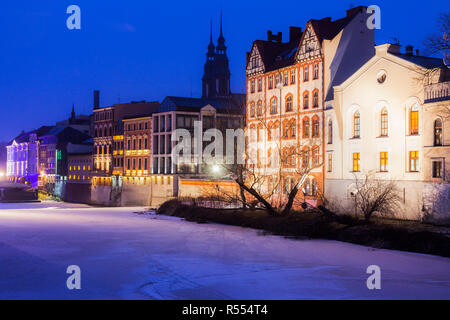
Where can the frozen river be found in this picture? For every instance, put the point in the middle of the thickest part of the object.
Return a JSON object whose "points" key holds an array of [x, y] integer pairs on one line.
{"points": [[123, 255]]}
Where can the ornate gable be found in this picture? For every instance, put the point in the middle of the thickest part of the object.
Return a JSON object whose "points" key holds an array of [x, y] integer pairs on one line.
{"points": [[255, 63], [309, 45]]}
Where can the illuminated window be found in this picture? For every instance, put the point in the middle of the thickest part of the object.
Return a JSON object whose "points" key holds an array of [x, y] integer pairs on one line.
{"points": [[273, 106], [315, 128], [330, 131], [414, 121], [259, 109], [384, 161], [316, 71], [306, 73], [356, 159], [316, 99], [414, 161], [289, 104], [292, 76], [306, 128], [305, 100], [384, 123], [259, 85], [356, 125], [438, 132], [330, 162]]}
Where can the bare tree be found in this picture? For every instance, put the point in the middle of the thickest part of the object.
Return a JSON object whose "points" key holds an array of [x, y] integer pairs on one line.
{"points": [[274, 180], [374, 195], [440, 41]]}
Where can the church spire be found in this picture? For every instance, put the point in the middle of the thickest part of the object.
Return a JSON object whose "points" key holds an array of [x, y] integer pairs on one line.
{"points": [[211, 46], [221, 48]]}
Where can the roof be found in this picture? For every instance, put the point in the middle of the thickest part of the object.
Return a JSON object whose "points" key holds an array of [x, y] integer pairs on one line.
{"points": [[67, 134], [172, 103], [426, 62], [25, 136]]}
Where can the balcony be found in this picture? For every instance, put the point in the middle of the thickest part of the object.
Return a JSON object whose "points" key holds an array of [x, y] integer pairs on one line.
{"points": [[437, 92]]}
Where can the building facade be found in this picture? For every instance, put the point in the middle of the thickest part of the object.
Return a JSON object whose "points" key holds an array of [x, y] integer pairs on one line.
{"points": [[287, 86], [390, 120]]}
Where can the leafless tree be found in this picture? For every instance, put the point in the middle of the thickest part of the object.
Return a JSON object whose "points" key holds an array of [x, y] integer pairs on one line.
{"points": [[440, 41], [374, 195], [274, 180]]}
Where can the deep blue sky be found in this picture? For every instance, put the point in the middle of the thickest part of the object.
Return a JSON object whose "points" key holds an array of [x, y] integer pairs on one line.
{"points": [[147, 50]]}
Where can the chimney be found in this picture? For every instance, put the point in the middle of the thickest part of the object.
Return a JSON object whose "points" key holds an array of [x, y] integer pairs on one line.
{"points": [[294, 33], [96, 99], [269, 35], [409, 50], [417, 52], [353, 11], [279, 37], [394, 48]]}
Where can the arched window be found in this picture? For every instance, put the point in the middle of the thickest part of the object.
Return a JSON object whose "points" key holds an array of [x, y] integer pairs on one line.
{"points": [[306, 128], [252, 109], [305, 158], [316, 158], [316, 99], [307, 187], [414, 120], [438, 132], [286, 129], [293, 128], [314, 187], [306, 100], [259, 109], [269, 131], [316, 71], [330, 131], [260, 132], [273, 106], [384, 123], [276, 130], [356, 125], [289, 104], [315, 128], [252, 133]]}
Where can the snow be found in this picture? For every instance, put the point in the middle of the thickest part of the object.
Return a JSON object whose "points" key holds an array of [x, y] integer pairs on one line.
{"points": [[125, 255]]}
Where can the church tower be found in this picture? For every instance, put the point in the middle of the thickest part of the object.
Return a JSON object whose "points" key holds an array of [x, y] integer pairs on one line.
{"points": [[216, 77]]}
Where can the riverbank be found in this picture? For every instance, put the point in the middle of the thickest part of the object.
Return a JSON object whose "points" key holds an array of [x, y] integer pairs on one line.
{"points": [[380, 233]]}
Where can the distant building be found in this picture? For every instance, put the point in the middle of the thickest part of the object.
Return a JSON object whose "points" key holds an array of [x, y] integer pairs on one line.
{"points": [[78, 122]]}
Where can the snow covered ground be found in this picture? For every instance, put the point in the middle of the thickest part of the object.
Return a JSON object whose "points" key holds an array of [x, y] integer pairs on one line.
{"points": [[123, 255]]}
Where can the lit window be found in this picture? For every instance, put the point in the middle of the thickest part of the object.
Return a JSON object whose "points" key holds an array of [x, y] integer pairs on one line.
{"points": [[289, 104], [356, 167], [414, 121], [305, 100], [259, 85], [273, 106], [315, 128], [356, 125], [316, 71], [384, 123], [414, 161], [330, 131], [438, 132], [306, 73], [315, 99], [293, 77], [330, 162], [384, 161], [306, 128]]}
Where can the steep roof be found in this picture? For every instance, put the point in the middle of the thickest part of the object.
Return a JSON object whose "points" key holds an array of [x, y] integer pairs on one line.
{"points": [[67, 134], [25, 136], [276, 55]]}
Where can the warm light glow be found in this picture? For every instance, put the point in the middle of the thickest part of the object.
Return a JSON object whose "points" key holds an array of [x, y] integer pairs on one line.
{"points": [[215, 168]]}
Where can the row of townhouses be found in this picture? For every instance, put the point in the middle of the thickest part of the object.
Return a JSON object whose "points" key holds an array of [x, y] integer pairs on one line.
{"points": [[327, 101]]}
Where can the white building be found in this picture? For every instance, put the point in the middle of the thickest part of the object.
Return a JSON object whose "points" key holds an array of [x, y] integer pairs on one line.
{"points": [[390, 118]]}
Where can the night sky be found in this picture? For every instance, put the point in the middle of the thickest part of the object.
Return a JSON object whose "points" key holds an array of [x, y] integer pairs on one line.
{"points": [[146, 50]]}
